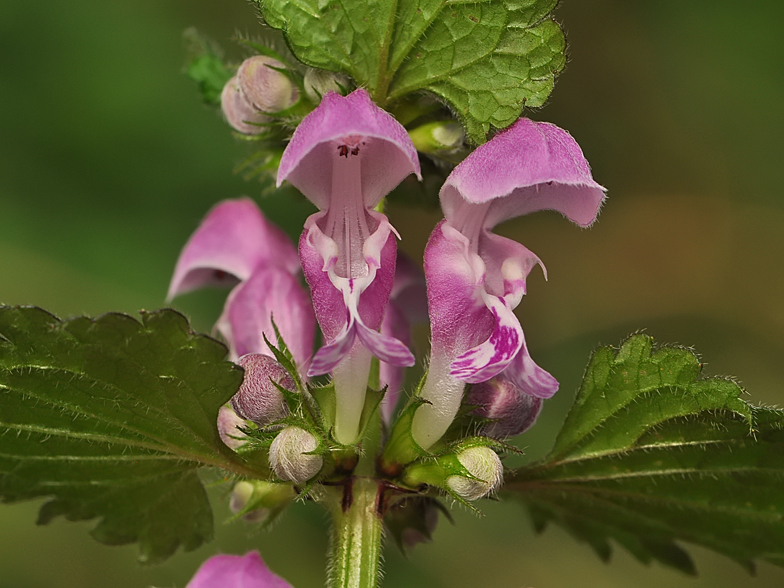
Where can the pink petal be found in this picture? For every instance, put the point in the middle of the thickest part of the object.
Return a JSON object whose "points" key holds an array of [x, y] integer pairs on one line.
{"points": [[347, 307], [395, 325], [507, 265], [231, 241], [331, 354], [270, 293], [387, 153], [409, 289], [386, 348], [512, 410], [235, 571], [527, 167], [484, 361], [459, 317], [529, 377]]}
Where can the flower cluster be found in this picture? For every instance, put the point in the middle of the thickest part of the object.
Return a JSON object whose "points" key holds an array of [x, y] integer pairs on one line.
{"points": [[345, 157]]}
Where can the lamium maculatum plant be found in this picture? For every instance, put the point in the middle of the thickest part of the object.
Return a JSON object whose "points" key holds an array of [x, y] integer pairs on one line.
{"points": [[304, 391]]}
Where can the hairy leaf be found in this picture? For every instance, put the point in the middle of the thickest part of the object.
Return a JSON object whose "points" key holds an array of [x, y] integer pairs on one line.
{"points": [[485, 58], [652, 454], [110, 418]]}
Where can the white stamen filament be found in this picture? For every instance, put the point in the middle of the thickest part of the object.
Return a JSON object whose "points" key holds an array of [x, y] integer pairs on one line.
{"points": [[346, 222]]}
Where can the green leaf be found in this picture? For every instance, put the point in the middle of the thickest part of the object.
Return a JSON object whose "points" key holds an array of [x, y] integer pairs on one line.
{"points": [[652, 454], [486, 58], [205, 66], [110, 418]]}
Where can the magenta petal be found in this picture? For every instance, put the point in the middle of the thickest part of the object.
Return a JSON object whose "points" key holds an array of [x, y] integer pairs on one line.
{"points": [[409, 290], [235, 571], [346, 306], [529, 377], [459, 317], [395, 325], [387, 153], [269, 294], [491, 357], [527, 167], [386, 348], [331, 354], [511, 409], [327, 300], [231, 241], [407, 307]]}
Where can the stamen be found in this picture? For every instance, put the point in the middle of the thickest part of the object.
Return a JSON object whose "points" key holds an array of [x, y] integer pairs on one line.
{"points": [[346, 222]]}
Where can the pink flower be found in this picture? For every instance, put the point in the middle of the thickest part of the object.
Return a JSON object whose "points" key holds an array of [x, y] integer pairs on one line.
{"points": [[345, 157], [407, 307], [475, 279], [236, 571], [236, 246]]}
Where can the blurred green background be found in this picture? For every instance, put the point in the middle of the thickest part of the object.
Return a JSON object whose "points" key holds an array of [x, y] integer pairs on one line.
{"points": [[108, 161]]}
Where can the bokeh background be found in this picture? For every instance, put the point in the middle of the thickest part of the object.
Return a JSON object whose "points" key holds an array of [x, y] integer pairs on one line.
{"points": [[108, 160]]}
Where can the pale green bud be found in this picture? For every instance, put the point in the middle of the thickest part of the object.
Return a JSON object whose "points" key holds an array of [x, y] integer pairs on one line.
{"points": [[484, 464], [290, 455], [259, 500], [438, 136], [469, 473]]}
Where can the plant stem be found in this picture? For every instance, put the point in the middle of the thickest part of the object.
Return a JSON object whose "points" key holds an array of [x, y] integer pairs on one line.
{"points": [[356, 536]]}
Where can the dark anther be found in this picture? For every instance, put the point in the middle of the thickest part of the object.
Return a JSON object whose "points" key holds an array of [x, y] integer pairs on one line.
{"points": [[344, 150]]}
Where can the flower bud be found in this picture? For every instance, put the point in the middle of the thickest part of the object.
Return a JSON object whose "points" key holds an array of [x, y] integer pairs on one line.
{"points": [[318, 82], [258, 399], [240, 496], [511, 409], [260, 501], [484, 464], [438, 136], [240, 113], [469, 473], [228, 427], [290, 455], [264, 87]]}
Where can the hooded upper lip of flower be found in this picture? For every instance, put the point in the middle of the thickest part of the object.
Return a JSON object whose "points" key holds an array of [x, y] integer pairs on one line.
{"points": [[475, 278], [235, 244], [226, 571], [345, 157]]}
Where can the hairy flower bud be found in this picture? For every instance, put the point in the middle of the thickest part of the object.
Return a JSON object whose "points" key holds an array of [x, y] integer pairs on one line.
{"points": [[290, 455], [228, 427], [259, 501], [510, 408], [240, 113], [318, 82], [264, 87], [469, 473], [258, 399], [484, 464], [240, 496]]}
